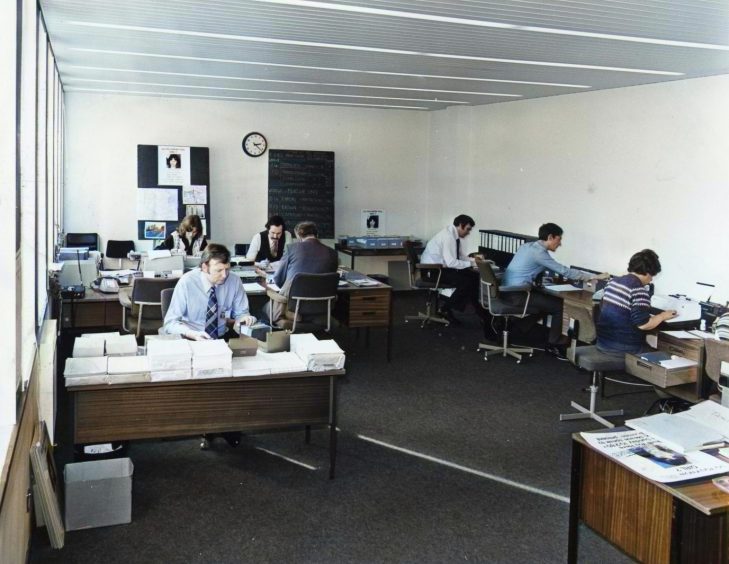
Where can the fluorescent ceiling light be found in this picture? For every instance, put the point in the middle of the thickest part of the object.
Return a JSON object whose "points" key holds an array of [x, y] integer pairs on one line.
{"points": [[494, 25], [335, 69], [271, 40], [435, 100], [166, 94], [169, 73]]}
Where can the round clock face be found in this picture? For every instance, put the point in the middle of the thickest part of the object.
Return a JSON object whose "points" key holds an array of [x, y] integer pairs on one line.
{"points": [[254, 144]]}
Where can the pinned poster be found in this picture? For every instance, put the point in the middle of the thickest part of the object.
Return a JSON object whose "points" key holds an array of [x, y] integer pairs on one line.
{"points": [[194, 194], [173, 166], [373, 222]]}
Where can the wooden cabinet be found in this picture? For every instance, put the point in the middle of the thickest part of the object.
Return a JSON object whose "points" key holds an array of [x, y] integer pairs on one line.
{"points": [[364, 308]]}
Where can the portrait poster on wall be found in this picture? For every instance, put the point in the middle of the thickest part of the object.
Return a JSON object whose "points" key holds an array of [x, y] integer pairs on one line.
{"points": [[173, 166], [373, 222]]}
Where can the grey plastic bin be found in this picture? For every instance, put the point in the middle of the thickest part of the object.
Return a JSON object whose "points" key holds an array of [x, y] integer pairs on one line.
{"points": [[98, 493]]}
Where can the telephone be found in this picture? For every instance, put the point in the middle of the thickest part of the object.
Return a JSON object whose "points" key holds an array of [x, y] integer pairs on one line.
{"points": [[107, 285]]}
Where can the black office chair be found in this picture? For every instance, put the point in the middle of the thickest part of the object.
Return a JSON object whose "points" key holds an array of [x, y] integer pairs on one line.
{"points": [[492, 299], [118, 249], [425, 277], [90, 240], [165, 300], [241, 249], [311, 296], [142, 305]]}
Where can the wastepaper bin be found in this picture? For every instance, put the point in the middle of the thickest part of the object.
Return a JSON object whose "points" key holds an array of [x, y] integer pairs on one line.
{"points": [[98, 493]]}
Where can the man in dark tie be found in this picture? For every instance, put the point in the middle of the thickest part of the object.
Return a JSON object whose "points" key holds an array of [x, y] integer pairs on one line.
{"points": [[207, 300], [447, 249]]}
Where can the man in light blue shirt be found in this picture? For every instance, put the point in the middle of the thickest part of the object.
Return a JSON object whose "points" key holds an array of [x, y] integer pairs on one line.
{"points": [[207, 299], [531, 260]]}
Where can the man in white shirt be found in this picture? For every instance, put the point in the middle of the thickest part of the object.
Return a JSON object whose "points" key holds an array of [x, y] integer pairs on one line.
{"points": [[207, 300], [269, 244], [447, 248]]}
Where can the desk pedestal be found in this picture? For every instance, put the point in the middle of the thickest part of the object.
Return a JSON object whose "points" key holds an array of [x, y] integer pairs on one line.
{"points": [[650, 523]]}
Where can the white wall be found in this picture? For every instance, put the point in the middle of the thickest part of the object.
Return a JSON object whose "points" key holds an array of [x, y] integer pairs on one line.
{"points": [[619, 170], [380, 159]]}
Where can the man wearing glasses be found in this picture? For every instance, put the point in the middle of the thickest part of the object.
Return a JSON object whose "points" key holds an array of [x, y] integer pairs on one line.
{"points": [[447, 248]]}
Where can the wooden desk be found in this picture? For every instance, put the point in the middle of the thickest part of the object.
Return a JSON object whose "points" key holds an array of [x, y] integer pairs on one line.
{"points": [[95, 309], [649, 521], [577, 305], [361, 307], [121, 412], [369, 252]]}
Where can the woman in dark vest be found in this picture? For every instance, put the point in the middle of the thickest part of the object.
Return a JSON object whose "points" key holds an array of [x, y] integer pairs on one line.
{"points": [[269, 245], [188, 237]]}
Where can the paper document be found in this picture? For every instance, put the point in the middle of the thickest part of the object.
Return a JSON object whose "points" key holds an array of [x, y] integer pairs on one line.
{"points": [[253, 288], [157, 203], [639, 452], [678, 362], [710, 414], [686, 310], [365, 282], [704, 335], [563, 288], [680, 334], [677, 432], [342, 283]]}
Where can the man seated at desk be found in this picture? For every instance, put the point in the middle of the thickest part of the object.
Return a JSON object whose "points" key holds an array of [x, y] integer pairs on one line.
{"points": [[625, 309], [531, 260], [308, 255], [269, 245], [207, 300], [447, 249]]}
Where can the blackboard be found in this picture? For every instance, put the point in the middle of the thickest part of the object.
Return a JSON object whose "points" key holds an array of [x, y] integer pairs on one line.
{"points": [[301, 188], [147, 178]]}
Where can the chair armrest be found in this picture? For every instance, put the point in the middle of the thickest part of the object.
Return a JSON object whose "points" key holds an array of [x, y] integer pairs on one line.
{"points": [[125, 297], [275, 296], [429, 266]]}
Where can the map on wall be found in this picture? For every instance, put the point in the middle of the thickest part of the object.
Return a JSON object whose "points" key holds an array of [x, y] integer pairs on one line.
{"points": [[158, 203]]}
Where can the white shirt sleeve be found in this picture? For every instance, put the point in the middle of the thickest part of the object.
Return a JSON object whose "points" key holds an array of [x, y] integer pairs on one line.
{"points": [[254, 247]]}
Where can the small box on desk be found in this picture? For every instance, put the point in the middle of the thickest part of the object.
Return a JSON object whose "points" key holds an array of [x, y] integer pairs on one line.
{"points": [[244, 346]]}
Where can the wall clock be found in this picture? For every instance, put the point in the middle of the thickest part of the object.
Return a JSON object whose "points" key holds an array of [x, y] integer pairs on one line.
{"points": [[254, 144]]}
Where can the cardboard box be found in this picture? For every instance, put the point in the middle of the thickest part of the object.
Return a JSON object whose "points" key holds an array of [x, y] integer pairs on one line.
{"points": [[98, 493]]}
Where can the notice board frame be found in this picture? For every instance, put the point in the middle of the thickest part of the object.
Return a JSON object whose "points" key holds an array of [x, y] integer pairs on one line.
{"points": [[147, 178]]}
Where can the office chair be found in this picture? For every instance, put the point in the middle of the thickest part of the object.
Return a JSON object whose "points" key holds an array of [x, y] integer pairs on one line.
{"points": [[165, 298], [310, 295], [492, 299], [716, 352], [241, 249], [90, 240], [145, 292], [425, 277], [118, 250]]}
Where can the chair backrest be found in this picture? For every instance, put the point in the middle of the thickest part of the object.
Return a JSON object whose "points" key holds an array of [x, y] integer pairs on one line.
{"points": [[489, 283], [241, 249], [413, 259], [149, 290], [716, 352], [165, 299], [90, 240], [118, 249], [312, 291]]}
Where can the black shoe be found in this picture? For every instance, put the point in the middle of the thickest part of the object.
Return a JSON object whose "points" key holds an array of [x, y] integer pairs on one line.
{"points": [[557, 351]]}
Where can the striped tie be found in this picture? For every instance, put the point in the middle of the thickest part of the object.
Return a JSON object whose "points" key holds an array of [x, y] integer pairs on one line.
{"points": [[211, 318]]}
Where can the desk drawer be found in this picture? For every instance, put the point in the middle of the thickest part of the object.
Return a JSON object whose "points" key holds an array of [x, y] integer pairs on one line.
{"points": [[657, 375], [365, 308]]}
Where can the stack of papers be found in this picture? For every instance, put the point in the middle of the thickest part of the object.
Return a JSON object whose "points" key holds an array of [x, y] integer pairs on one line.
{"points": [[211, 359], [85, 371], [148, 338], [123, 345], [267, 363], [169, 359], [88, 347], [364, 282], [678, 432], [317, 355], [127, 369]]}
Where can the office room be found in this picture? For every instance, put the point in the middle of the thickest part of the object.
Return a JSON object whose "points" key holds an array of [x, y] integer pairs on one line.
{"points": [[608, 119]]}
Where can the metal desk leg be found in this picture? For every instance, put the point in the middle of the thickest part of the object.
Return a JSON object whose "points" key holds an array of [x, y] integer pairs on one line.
{"points": [[332, 426], [575, 486], [351, 261]]}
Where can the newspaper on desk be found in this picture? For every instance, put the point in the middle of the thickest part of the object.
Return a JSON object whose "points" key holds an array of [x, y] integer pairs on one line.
{"points": [[648, 457]]}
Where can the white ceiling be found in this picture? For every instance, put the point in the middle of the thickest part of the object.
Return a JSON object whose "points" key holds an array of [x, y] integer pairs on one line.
{"points": [[412, 54]]}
